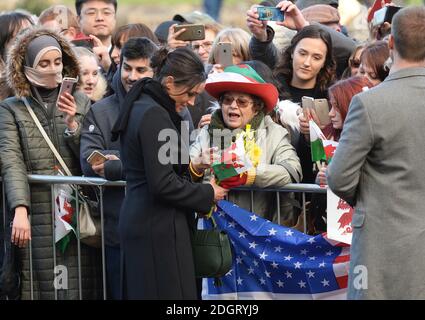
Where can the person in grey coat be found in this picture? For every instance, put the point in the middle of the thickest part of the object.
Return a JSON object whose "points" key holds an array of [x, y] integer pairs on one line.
{"points": [[378, 169]]}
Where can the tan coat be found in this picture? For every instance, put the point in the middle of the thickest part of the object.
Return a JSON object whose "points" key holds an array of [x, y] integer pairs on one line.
{"points": [[279, 166]]}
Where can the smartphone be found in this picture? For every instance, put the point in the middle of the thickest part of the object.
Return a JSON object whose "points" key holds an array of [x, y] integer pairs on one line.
{"points": [[307, 102], [270, 14], [320, 106], [96, 158], [384, 15], [68, 85], [375, 7], [322, 111], [85, 42], [193, 32], [224, 55]]}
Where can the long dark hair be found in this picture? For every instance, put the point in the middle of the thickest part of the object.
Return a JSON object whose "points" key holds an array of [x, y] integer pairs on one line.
{"points": [[182, 64], [11, 23], [326, 75]]}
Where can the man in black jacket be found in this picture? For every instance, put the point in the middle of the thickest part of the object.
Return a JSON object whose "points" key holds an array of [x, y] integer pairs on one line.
{"points": [[96, 135]]}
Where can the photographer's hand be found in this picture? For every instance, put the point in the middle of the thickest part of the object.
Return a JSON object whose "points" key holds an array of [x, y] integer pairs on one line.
{"points": [[257, 27], [172, 42], [294, 19]]}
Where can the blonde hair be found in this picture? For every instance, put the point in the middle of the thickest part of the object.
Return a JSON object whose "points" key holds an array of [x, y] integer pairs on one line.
{"points": [[102, 85], [239, 39]]}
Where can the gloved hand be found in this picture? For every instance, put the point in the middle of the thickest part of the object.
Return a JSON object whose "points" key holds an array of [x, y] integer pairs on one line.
{"points": [[245, 179]]}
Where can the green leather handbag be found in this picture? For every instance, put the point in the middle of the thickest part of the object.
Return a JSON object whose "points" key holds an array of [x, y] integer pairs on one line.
{"points": [[212, 252]]}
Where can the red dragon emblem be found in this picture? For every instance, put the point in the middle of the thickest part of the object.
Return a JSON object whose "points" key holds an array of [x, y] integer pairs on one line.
{"points": [[345, 219], [67, 207]]}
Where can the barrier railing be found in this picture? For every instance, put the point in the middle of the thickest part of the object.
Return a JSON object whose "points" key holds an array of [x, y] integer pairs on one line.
{"points": [[101, 184]]}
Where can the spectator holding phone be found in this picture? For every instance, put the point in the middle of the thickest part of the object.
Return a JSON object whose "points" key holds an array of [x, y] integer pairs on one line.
{"points": [[37, 63], [340, 96], [97, 19], [262, 47], [239, 40]]}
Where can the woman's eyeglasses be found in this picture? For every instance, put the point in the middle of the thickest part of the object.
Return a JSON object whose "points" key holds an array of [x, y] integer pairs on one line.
{"points": [[355, 63], [241, 102]]}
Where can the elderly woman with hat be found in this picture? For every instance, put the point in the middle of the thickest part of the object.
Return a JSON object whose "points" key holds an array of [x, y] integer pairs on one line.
{"points": [[245, 98]]}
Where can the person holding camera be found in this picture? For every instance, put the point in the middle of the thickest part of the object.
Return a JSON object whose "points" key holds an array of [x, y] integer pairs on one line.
{"points": [[37, 63]]}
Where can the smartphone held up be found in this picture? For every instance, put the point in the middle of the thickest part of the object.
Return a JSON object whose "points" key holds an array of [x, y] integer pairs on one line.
{"points": [[225, 55], [320, 107], [270, 14], [68, 86], [193, 32]]}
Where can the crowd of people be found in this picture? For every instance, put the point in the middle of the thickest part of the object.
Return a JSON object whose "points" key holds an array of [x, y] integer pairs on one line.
{"points": [[135, 83]]}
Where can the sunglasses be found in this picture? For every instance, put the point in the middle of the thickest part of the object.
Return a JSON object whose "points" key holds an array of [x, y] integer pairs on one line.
{"points": [[241, 102], [354, 63]]}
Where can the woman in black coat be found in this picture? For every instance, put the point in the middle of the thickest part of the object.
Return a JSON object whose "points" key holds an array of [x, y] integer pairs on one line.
{"points": [[158, 210]]}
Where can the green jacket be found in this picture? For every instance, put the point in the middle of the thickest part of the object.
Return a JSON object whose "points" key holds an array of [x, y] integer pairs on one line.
{"points": [[24, 151]]}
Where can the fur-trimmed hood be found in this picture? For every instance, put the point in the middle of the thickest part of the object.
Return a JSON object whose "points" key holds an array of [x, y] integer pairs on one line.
{"points": [[16, 60]]}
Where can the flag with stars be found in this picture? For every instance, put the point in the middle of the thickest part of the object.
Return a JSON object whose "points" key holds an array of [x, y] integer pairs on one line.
{"points": [[276, 262]]}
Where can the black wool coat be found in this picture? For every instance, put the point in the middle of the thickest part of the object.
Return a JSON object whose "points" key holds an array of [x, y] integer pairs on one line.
{"points": [[158, 210]]}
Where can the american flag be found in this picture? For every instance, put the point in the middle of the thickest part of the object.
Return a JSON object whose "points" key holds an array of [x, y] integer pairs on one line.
{"points": [[275, 262]]}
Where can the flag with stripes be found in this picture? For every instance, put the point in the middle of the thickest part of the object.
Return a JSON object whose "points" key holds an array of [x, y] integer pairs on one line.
{"points": [[275, 262]]}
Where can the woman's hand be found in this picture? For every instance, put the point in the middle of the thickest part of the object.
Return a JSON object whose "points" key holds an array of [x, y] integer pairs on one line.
{"points": [[219, 192], [172, 42], [294, 19], [102, 53], [322, 175], [205, 159], [257, 27], [67, 105], [217, 68], [304, 117], [205, 120], [21, 228], [304, 124]]}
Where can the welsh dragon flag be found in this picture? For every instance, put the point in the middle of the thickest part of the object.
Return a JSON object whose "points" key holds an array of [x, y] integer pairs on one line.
{"points": [[65, 218], [316, 141], [321, 148]]}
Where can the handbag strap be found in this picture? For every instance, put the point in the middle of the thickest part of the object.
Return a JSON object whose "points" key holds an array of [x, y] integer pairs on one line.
{"points": [[46, 137]]}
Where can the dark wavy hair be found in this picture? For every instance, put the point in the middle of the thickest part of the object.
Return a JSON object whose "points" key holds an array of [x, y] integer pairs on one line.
{"points": [[182, 64], [326, 76]]}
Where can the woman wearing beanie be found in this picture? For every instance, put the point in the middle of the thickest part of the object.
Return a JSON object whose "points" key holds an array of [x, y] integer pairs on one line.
{"points": [[37, 63]]}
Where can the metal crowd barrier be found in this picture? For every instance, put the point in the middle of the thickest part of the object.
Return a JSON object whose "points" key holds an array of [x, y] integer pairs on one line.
{"points": [[102, 183]]}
